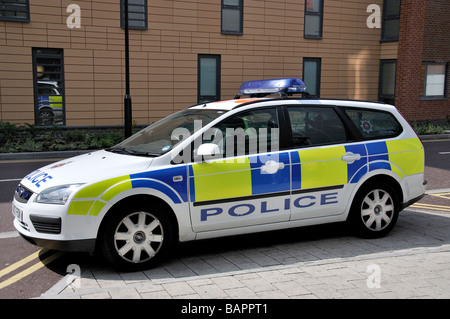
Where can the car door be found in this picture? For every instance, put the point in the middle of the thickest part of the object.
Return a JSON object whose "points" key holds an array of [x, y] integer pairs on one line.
{"points": [[250, 183], [323, 162]]}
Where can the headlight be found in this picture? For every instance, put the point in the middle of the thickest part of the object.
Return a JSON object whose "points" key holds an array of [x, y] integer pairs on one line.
{"points": [[57, 195]]}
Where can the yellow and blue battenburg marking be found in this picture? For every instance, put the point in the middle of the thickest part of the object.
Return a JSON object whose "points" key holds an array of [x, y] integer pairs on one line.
{"points": [[310, 169], [239, 177], [91, 199], [242, 178]]}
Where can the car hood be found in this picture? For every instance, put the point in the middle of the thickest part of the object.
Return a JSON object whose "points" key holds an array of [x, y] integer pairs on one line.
{"points": [[87, 168]]}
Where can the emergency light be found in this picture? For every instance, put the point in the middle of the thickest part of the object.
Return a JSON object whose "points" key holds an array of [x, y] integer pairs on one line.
{"points": [[286, 86]]}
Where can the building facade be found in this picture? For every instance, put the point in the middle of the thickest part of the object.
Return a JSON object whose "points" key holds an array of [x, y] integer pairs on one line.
{"points": [[62, 61]]}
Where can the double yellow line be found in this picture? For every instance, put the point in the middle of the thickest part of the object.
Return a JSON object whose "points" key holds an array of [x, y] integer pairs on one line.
{"points": [[30, 269], [442, 208], [432, 207]]}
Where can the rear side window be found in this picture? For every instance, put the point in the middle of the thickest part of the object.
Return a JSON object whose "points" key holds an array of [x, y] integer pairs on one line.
{"points": [[374, 124], [315, 126]]}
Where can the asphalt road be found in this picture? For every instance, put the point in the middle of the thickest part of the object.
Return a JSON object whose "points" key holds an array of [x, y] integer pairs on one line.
{"points": [[27, 271]]}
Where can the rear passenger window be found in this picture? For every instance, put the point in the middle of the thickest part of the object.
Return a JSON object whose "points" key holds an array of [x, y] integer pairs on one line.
{"points": [[374, 124], [316, 126]]}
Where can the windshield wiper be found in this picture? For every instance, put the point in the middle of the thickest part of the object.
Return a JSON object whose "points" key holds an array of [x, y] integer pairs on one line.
{"points": [[123, 150]]}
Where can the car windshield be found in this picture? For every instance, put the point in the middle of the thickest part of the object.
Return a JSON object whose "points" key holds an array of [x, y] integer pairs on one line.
{"points": [[162, 136]]}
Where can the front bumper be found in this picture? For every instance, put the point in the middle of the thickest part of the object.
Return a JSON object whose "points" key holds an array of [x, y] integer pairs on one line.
{"points": [[50, 226], [86, 245]]}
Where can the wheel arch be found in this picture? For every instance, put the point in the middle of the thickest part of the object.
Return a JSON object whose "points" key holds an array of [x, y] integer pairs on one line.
{"points": [[390, 181], [373, 180], [147, 201]]}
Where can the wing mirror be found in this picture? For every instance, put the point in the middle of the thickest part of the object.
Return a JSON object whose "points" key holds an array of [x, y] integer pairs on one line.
{"points": [[208, 150]]}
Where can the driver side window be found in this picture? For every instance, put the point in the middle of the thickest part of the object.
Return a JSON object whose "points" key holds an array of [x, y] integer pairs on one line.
{"points": [[250, 132], [313, 126]]}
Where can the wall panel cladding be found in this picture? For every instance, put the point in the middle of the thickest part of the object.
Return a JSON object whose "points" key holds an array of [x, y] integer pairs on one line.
{"points": [[164, 57]]}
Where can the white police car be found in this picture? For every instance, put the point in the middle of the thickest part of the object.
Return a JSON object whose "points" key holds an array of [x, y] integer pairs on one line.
{"points": [[228, 168]]}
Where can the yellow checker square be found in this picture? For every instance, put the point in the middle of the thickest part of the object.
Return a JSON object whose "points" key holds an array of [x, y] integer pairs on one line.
{"points": [[408, 155], [80, 207], [221, 179], [323, 167]]}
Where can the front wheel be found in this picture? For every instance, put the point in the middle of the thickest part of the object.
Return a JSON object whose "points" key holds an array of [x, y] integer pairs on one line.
{"points": [[374, 210], [136, 238]]}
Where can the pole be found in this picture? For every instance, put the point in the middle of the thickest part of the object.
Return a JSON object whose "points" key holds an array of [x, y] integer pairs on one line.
{"points": [[127, 98]]}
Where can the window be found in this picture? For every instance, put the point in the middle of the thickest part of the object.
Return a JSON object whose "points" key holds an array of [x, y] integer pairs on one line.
{"points": [[386, 88], [391, 20], [374, 124], [247, 133], [435, 80], [232, 17], [208, 78], [313, 19], [315, 126], [15, 10], [48, 75], [137, 14], [311, 75]]}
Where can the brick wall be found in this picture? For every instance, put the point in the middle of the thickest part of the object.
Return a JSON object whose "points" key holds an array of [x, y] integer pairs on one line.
{"points": [[424, 37]]}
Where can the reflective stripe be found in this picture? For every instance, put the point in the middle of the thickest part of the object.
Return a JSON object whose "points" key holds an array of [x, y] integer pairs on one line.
{"points": [[96, 208], [92, 204], [97, 189], [117, 189]]}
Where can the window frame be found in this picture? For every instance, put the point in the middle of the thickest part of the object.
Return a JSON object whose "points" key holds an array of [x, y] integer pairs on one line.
{"points": [[382, 97], [318, 75], [288, 136], [206, 98], [435, 97], [269, 147], [130, 25], [15, 18], [239, 8], [386, 18], [35, 57], [357, 130], [318, 14]]}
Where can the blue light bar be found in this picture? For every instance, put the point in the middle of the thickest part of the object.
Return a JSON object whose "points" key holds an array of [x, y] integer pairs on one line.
{"points": [[273, 86]]}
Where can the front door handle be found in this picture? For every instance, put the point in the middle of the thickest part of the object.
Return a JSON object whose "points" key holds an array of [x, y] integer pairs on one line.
{"points": [[350, 157], [271, 167]]}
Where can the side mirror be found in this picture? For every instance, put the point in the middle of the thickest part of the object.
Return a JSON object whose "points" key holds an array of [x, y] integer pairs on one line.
{"points": [[208, 149]]}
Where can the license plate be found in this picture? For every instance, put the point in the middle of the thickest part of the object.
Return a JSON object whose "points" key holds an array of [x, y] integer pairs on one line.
{"points": [[17, 212]]}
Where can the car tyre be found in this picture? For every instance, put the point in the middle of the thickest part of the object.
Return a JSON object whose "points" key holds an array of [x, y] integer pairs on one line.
{"points": [[136, 238], [374, 211]]}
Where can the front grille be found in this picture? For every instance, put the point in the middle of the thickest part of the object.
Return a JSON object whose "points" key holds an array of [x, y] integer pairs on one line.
{"points": [[22, 194], [47, 225]]}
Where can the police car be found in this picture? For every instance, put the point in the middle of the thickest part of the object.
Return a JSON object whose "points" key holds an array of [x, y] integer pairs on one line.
{"points": [[251, 164]]}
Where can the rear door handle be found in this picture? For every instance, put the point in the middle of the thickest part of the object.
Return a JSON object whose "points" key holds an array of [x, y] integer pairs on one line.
{"points": [[350, 157]]}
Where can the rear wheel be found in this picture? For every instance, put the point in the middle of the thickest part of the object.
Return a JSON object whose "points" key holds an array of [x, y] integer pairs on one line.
{"points": [[374, 210], [136, 238]]}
